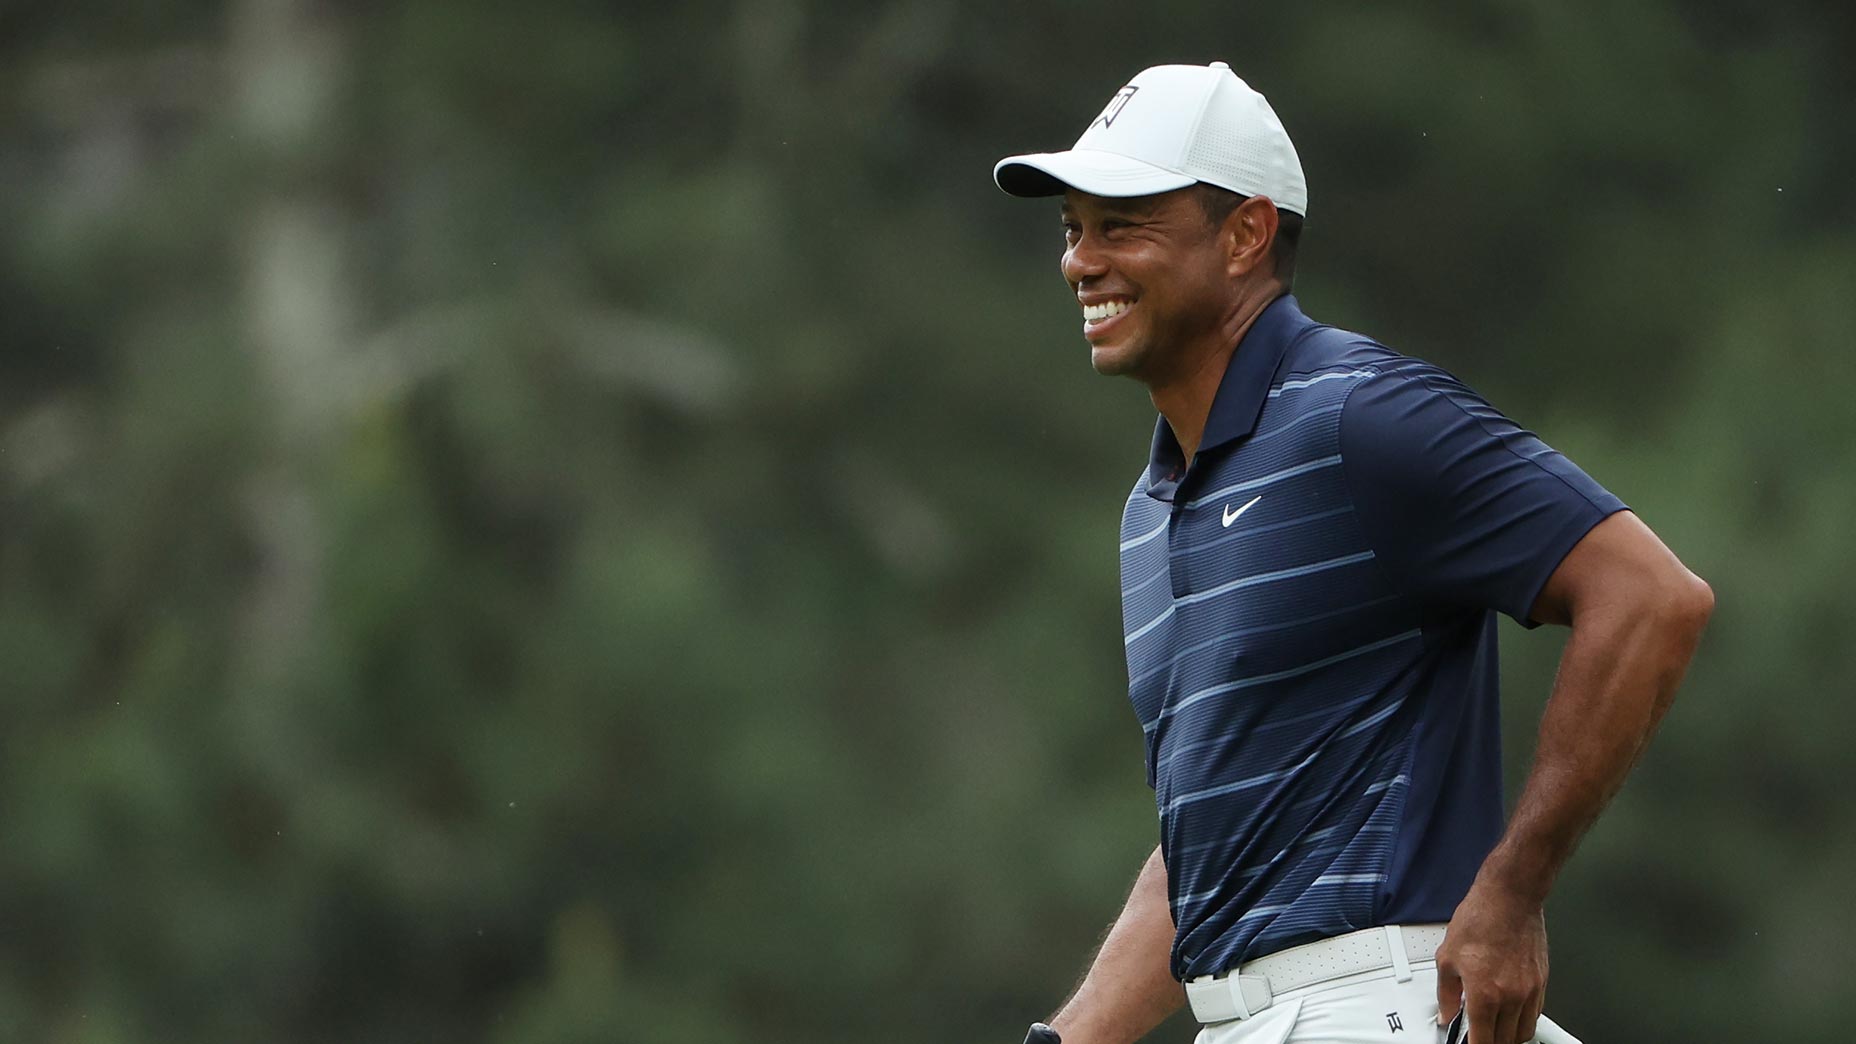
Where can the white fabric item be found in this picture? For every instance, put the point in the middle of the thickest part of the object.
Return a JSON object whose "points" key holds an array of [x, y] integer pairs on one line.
{"points": [[1171, 126], [1366, 1008], [1219, 998], [1401, 961], [1399, 947]]}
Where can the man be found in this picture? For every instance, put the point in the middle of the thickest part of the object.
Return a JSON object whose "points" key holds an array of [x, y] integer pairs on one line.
{"points": [[1311, 562]]}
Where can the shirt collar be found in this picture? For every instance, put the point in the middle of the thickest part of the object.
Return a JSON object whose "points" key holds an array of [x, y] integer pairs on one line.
{"points": [[1246, 382], [1240, 397]]}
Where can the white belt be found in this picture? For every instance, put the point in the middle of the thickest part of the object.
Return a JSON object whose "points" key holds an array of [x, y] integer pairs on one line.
{"points": [[1250, 989]]}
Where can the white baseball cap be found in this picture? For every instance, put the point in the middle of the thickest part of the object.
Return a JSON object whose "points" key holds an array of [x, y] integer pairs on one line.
{"points": [[1172, 126]]}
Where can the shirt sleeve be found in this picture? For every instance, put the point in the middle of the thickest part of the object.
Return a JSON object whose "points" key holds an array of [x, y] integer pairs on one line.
{"points": [[1461, 505]]}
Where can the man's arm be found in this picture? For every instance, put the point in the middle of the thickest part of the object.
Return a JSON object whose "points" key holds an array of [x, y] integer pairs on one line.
{"points": [[1130, 987], [1636, 616]]}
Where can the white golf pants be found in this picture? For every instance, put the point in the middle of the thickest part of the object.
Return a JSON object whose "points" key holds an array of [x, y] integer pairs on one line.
{"points": [[1367, 1008]]}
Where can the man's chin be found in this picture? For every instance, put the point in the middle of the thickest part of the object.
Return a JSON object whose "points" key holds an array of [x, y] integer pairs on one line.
{"points": [[1116, 361]]}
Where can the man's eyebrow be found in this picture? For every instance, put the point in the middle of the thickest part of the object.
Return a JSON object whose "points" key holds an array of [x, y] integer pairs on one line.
{"points": [[1134, 206]]}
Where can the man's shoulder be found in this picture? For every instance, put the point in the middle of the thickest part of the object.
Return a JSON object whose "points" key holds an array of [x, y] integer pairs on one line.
{"points": [[1322, 348], [1321, 367], [1354, 359]]}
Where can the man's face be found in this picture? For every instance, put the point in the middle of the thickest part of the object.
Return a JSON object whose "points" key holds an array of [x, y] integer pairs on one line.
{"points": [[1150, 274]]}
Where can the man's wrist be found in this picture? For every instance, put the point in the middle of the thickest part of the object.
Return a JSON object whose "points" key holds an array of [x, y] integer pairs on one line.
{"points": [[1521, 882]]}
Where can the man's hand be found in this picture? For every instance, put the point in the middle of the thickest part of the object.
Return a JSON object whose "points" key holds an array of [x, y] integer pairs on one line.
{"points": [[1494, 963]]}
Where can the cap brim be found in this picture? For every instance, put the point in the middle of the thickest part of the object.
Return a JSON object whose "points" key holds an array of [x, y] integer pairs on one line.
{"points": [[1097, 173]]}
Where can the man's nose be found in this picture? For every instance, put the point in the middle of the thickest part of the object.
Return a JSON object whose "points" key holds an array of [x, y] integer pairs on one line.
{"points": [[1081, 260]]}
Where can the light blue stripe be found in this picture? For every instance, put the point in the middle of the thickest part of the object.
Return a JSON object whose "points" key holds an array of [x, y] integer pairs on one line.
{"points": [[1274, 476], [1144, 537], [1317, 379], [1334, 879], [1276, 723], [1324, 881], [1279, 574], [1230, 788], [1243, 533], [1262, 679], [1324, 411], [1306, 839], [1228, 636], [1135, 635], [1371, 720], [1314, 855], [1128, 591], [1311, 838], [1242, 784], [1326, 712], [1263, 911], [1195, 897]]}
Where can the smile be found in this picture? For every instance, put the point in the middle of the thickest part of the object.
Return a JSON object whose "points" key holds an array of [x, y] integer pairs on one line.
{"points": [[1105, 310]]}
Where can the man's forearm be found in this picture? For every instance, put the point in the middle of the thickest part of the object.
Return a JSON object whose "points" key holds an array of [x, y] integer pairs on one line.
{"points": [[1617, 677], [1636, 614], [1129, 988]]}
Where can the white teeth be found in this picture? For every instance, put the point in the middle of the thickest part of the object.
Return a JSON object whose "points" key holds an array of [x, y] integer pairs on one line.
{"points": [[1105, 310]]}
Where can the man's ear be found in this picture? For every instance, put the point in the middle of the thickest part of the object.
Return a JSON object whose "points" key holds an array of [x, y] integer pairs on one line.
{"points": [[1249, 232]]}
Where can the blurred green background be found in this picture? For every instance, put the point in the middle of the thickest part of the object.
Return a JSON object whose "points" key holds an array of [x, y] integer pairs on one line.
{"points": [[545, 523]]}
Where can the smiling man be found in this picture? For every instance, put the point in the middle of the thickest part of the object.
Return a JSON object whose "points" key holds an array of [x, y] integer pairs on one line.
{"points": [[1311, 562]]}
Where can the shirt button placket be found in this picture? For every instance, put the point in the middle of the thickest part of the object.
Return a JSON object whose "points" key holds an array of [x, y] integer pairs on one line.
{"points": [[1175, 566]]}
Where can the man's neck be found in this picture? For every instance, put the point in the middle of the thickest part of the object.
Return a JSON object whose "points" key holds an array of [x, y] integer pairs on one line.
{"points": [[1185, 400]]}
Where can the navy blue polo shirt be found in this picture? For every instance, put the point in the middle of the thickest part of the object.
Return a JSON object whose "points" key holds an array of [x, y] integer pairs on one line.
{"points": [[1308, 611]]}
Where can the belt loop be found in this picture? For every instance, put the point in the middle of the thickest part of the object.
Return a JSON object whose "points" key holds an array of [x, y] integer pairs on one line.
{"points": [[1401, 963], [1238, 1000]]}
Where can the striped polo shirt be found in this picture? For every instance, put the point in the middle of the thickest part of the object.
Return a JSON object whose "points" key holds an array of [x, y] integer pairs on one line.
{"points": [[1308, 612]]}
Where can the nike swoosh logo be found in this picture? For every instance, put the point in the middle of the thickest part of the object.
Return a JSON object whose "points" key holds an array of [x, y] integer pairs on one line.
{"points": [[1231, 516]]}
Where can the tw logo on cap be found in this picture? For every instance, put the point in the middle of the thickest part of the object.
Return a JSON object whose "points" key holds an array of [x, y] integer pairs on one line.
{"points": [[1114, 107]]}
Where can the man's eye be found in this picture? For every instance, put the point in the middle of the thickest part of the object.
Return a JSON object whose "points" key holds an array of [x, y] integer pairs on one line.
{"points": [[1071, 230]]}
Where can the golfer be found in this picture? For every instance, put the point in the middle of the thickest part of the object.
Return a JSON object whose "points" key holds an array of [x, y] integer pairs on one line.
{"points": [[1311, 563]]}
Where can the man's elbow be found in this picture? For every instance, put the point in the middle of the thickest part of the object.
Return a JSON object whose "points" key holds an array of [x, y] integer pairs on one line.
{"points": [[1684, 602]]}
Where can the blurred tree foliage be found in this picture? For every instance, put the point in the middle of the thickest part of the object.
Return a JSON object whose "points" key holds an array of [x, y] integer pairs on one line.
{"points": [[549, 523]]}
